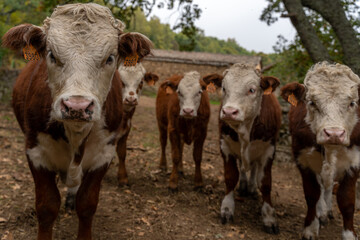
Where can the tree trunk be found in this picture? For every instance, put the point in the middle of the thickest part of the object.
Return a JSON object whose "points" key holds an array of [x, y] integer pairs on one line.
{"points": [[333, 12], [307, 33]]}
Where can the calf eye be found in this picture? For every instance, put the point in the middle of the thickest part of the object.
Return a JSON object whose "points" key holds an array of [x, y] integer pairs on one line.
{"points": [[110, 60], [200, 92], [311, 103], [251, 90], [223, 89], [52, 57], [352, 104]]}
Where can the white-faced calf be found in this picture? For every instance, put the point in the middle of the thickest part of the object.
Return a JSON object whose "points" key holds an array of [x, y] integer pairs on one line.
{"points": [[69, 106], [183, 111], [249, 122], [325, 129], [132, 79]]}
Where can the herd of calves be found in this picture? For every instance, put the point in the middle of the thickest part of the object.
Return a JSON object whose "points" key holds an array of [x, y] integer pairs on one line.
{"points": [[75, 101]]}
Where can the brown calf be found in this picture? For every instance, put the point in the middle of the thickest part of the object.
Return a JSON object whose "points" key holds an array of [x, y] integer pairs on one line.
{"points": [[183, 111], [132, 79], [325, 133], [249, 122], [69, 104]]}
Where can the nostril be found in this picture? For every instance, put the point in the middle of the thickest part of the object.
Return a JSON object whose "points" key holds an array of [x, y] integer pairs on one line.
{"points": [[63, 106], [342, 133], [235, 112], [90, 108], [188, 110], [327, 133]]}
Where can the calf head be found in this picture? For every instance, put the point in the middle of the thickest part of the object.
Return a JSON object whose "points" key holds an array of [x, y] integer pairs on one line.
{"points": [[331, 95], [82, 44], [243, 88], [189, 90], [132, 80]]}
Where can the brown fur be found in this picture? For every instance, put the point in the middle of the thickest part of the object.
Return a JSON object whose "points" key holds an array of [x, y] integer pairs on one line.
{"points": [[130, 43], [25, 34], [125, 128], [181, 130], [303, 137]]}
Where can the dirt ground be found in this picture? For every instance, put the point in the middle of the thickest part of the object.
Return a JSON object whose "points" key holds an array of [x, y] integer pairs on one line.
{"points": [[146, 209]]}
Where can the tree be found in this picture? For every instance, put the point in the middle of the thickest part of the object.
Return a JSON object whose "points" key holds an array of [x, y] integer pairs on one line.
{"points": [[320, 22]]}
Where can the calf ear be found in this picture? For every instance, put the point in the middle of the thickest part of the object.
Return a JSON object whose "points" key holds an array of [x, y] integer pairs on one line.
{"points": [[151, 78], [25, 34], [293, 93], [269, 84], [131, 44], [215, 79], [171, 86]]}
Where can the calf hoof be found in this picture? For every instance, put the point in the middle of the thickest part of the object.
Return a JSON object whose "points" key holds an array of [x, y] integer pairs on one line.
{"points": [[310, 238], [227, 216], [273, 229], [330, 215], [163, 168], [124, 182], [70, 202], [323, 220], [198, 188], [173, 190]]}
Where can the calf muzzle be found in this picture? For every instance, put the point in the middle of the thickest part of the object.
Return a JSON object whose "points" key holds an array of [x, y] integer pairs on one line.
{"points": [[77, 108], [334, 136]]}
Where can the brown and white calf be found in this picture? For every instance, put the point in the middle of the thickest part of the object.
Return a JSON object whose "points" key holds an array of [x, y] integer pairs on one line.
{"points": [[69, 105], [325, 129], [249, 122], [183, 112], [132, 79]]}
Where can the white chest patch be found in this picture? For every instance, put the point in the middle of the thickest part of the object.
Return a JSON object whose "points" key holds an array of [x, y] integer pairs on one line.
{"points": [[343, 158], [58, 155]]}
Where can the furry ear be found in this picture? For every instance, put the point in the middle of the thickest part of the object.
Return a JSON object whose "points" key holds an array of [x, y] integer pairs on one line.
{"points": [[171, 86], [293, 93], [269, 84], [151, 78], [134, 43], [215, 78], [25, 34]]}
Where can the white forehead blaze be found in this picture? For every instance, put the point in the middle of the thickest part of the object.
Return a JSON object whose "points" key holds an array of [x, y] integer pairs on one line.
{"points": [[131, 78], [80, 40], [189, 92], [331, 97], [242, 91]]}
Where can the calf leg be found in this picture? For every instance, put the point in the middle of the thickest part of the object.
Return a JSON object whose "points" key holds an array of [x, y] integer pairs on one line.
{"points": [[346, 202], [267, 211], [312, 195], [231, 173], [243, 185], [180, 166], [175, 154], [163, 141], [87, 199], [47, 200], [197, 155], [121, 152]]}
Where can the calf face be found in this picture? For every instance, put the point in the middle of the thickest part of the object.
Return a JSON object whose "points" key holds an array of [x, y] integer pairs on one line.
{"points": [[132, 79], [330, 93], [243, 88], [189, 90], [82, 49]]}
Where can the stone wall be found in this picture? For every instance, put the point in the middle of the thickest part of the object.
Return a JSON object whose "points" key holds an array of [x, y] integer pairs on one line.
{"points": [[167, 69]]}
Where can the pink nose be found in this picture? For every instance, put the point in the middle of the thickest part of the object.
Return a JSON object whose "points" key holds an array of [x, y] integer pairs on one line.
{"points": [[188, 111], [334, 135], [77, 108], [131, 101], [230, 112]]}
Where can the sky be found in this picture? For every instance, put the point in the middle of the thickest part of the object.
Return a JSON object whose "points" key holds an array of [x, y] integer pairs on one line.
{"points": [[239, 19]]}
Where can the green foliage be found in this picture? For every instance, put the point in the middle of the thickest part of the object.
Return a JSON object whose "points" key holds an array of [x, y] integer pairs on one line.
{"points": [[292, 60]]}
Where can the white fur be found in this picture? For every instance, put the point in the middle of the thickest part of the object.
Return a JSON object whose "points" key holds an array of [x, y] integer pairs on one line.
{"points": [[312, 231], [59, 155], [131, 78], [268, 214], [228, 203], [81, 37], [330, 89], [189, 92], [348, 235]]}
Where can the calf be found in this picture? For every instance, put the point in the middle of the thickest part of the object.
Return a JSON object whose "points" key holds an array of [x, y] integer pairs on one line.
{"points": [[132, 79], [325, 132], [249, 122], [69, 104], [183, 111]]}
